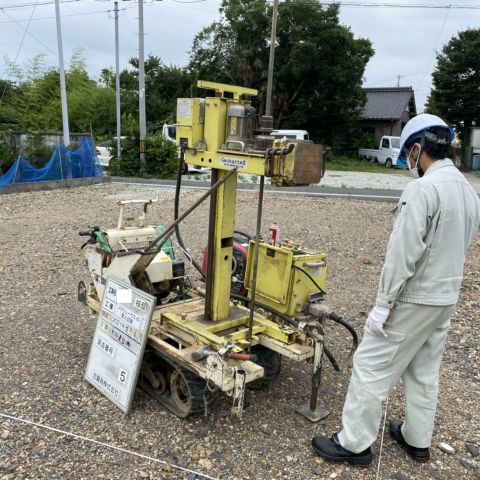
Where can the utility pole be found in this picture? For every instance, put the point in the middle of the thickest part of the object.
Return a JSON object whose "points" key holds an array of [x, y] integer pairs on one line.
{"points": [[398, 79], [273, 41], [117, 85], [63, 88], [141, 84]]}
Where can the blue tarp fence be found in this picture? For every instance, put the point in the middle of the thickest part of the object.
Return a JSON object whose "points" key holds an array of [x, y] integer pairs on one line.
{"points": [[63, 164]]}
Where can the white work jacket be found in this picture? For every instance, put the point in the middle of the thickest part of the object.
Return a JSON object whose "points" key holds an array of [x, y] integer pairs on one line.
{"points": [[437, 217]]}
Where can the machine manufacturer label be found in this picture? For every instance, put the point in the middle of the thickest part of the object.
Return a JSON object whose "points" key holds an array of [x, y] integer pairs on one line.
{"points": [[233, 162], [119, 342], [184, 108]]}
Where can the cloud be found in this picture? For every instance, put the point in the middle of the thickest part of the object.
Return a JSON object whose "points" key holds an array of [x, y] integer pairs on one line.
{"points": [[405, 40]]}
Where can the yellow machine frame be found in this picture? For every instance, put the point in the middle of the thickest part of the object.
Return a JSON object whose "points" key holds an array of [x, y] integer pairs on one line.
{"points": [[289, 279]]}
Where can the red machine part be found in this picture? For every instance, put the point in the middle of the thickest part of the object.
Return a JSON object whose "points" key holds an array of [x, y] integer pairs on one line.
{"points": [[239, 266]]}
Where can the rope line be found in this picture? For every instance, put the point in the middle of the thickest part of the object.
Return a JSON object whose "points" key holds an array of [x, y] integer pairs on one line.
{"points": [[381, 440], [113, 447]]}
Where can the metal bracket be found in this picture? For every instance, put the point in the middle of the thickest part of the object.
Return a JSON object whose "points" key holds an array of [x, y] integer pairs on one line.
{"points": [[310, 410], [239, 391]]}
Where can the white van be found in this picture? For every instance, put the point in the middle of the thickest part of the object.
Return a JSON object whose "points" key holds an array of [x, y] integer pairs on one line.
{"points": [[298, 134]]}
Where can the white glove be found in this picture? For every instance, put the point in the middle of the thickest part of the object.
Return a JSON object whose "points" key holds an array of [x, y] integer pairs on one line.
{"points": [[376, 319]]}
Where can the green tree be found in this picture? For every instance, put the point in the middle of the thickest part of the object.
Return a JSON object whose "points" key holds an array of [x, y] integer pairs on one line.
{"points": [[161, 158], [456, 86], [234, 49], [8, 116], [319, 65], [34, 102], [163, 85]]}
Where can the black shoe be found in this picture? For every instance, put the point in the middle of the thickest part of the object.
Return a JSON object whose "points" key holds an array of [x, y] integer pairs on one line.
{"points": [[418, 454], [331, 450]]}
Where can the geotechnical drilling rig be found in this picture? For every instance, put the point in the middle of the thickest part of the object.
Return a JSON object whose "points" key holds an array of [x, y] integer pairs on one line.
{"points": [[210, 340]]}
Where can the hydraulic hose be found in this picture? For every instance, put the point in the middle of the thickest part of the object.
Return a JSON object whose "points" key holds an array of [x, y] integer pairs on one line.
{"points": [[333, 316], [330, 356], [309, 277], [175, 215], [338, 319], [281, 315]]}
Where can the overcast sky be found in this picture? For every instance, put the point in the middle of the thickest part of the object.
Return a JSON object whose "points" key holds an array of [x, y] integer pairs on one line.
{"points": [[404, 39]]}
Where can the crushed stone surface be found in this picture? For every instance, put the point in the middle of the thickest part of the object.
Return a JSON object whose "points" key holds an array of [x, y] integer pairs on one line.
{"points": [[45, 336], [393, 180]]}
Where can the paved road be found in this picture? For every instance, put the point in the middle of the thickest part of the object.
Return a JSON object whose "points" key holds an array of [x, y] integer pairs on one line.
{"points": [[374, 186]]}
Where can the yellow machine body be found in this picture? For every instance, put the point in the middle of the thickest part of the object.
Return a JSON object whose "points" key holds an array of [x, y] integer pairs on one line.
{"points": [[217, 132], [223, 132], [210, 130], [286, 276]]}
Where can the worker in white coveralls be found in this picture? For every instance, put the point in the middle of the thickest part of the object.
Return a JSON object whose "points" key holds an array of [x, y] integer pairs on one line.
{"points": [[437, 217]]}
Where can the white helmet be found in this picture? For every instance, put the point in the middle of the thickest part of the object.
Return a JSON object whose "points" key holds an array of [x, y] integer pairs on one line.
{"points": [[416, 127]]}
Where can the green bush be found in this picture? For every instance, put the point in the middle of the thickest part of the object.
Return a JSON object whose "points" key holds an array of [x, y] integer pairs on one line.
{"points": [[36, 152], [362, 140], [161, 158], [8, 152]]}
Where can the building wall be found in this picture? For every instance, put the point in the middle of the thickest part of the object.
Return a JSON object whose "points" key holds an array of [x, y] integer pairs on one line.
{"points": [[50, 139], [381, 127]]}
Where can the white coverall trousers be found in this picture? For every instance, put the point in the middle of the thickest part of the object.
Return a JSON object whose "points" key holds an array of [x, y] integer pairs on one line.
{"points": [[413, 350]]}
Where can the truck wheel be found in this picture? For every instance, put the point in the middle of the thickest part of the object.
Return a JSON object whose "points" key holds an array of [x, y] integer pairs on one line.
{"points": [[388, 163]]}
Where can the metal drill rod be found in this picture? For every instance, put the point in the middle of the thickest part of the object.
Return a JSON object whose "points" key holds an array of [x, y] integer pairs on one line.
{"points": [[154, 247], [255, 260], [211, 251]]}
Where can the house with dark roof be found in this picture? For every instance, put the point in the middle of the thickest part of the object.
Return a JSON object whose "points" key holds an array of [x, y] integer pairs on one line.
{"points": [[387, 110]]}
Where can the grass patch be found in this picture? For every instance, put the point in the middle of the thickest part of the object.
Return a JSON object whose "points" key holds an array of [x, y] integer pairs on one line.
{"points": [[347, 164]]}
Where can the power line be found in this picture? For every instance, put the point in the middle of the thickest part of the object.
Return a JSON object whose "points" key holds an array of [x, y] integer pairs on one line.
{"points": [[429, 65], [38, 4], [404, 5], [67, 15], [20, 47], [29, 33]]}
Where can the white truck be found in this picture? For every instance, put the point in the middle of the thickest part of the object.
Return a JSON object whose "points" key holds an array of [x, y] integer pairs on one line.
{"points": [[387, 153], [298, 134], [170, 132]]}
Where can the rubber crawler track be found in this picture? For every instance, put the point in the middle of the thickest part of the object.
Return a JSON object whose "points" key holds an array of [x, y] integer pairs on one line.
{"points": [[198, 393]]}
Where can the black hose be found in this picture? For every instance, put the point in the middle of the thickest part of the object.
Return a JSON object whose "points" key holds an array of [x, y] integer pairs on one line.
{"points": [[281, 315], [330, 356], [243, 234], [333, 316], [310, 277], [338, 319], [175, 215]]}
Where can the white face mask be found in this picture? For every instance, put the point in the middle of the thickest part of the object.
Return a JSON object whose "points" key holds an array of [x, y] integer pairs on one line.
{"points": [[413, 171]]}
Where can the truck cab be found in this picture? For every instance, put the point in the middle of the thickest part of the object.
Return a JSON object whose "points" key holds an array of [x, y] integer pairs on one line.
{"points": [[386, 154], [296, 134]]}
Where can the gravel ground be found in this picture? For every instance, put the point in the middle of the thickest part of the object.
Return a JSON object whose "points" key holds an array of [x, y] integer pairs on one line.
{"points": [[46, 333], [390, 180]]}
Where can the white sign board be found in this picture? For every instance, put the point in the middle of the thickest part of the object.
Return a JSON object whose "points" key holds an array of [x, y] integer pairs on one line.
{"points": [[119, 341]]}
